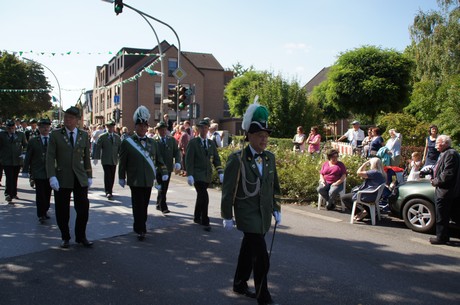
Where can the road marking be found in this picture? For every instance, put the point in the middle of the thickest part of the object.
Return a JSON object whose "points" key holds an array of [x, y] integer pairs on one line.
{"points": [[297, 211]]}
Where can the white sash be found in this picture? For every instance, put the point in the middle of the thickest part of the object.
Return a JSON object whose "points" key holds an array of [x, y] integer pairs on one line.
{"points": [[144, 153]]}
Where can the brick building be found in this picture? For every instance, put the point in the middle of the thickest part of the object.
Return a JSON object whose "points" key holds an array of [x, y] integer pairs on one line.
{"points": [[128, 81]]}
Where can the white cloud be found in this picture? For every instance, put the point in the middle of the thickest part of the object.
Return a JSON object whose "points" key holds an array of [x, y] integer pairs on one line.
{"points": [[292, 48]]}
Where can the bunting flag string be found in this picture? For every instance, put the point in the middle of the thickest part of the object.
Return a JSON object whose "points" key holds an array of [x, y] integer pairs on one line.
{"points": [[54, 54], [133, 78]]}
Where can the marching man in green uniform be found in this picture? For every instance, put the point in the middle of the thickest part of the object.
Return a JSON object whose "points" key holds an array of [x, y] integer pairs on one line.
{"points": [[167, 146], [201, 154], [139, 157], [68, 167], [34, 164], [249, 194], [12, 147], [107, 150]]}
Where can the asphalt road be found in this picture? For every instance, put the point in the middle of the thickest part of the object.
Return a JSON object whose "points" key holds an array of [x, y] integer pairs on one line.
{"points": [[318, 257]]}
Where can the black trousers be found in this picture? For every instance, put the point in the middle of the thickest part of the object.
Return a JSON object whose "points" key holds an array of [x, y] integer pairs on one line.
{"points": [[140, 197], [443, 207], [1, 172], [81, 206], [161, 197], [253, 257], [42, 196], [109, 177], [11, 177], [202, 203]]}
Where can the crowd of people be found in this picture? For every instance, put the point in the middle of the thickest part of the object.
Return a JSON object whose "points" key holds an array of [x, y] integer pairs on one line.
{"points": [[440, 164], [59, 160]]}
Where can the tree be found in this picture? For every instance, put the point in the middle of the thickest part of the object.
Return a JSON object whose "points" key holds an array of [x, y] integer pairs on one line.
{"points": [[330, 110], [286, 101], [369, 80], [15, 74], [435, 48]]}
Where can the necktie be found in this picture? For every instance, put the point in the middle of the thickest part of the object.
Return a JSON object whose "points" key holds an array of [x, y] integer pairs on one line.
{"points": [[71, 138], [258, 157], [163, 140], [143, 139], [12, 138], [204, 145], [111, 138], [45, 141]]}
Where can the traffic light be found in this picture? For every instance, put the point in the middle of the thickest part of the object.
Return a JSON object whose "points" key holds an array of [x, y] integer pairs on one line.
{"points": [[181, 105], [172, 95], [182, 96], [118, 6], [189, 111]]}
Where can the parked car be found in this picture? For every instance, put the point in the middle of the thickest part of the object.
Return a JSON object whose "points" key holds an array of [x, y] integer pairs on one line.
{"points": [[413, 201]]}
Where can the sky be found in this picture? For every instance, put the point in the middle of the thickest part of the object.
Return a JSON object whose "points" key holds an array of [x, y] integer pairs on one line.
{"points": [[294, 38]]}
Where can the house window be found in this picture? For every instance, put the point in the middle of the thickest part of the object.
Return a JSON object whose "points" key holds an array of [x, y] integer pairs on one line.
{"points": [[172, 66], [157, 97]]}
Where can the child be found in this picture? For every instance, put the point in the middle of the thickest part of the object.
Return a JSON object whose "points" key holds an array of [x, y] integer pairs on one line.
{"points": [[415, 165]]}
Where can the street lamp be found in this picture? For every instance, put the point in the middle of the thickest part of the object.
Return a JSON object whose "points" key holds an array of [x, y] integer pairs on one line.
{"points": [[164, 23], [57, 81]]}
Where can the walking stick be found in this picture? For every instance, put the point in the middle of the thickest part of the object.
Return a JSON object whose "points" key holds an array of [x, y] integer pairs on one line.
{"points": [[273, 239]]}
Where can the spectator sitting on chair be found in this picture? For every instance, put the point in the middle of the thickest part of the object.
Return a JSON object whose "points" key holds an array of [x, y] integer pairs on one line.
{"points": [[332, 175], [372, 171]]}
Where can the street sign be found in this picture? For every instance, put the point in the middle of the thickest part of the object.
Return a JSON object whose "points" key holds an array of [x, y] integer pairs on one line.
{"points": [[167, 101], [188, 92], [179, 74], [116, 99]]}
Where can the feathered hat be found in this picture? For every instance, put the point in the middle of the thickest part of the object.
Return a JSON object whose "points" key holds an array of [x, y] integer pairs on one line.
{"points": [[141, 115], [256, 118]]}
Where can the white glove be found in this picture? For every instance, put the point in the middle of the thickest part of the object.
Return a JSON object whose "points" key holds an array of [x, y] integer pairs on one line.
{"points": [[228, 224], [277, 216], [25, 175], [95, 161], [54, 183], [190, 180], [122, 182], [221, 178], [164, 178], [90, 182], [22, 156], [177, 166]]}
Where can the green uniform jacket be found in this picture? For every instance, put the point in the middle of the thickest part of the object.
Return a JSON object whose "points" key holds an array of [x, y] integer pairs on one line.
{"points": [[252, 214], [35, 161], [11, 151], [63, 160], [134, 166], [107, 150], [170, 152], [198, 161]]}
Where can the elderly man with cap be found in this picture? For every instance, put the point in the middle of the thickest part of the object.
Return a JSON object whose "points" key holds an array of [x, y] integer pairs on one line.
{"points": [[12, 147], [107, 150], [34, 164], [355, 135], [200, 155], [169, 150], [68, 167], [249, 193], [139, 160]]}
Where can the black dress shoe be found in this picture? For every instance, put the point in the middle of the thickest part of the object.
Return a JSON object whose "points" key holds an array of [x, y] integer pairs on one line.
{"points": [[42, 219], [436, 241], [207, 228], [271, 302], [140, 236], [109, 196], [166, 211], [245, 291], [47, 216], [86, 243], [158, 208], [65, 244]]}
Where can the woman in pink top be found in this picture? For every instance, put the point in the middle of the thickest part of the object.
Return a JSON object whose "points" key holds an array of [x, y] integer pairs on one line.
{"points": [[332, 175], [314, 140]]}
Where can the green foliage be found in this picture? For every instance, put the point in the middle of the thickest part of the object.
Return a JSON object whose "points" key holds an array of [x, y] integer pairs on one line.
{"points": [[435, 49], [369, 80], [286, 101], [413, 132], [15, 74]]}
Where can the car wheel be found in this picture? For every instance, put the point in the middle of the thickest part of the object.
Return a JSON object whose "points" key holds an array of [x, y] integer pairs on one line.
{"points": [[419, 215]]}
